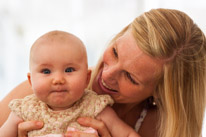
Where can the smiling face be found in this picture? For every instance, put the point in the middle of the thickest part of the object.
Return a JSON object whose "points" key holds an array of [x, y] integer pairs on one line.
{"points": [[59, 73], [127, 74]]}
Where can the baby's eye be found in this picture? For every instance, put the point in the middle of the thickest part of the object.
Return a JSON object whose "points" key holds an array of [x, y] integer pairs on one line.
{"points": [[46, 71], [70, 69]]}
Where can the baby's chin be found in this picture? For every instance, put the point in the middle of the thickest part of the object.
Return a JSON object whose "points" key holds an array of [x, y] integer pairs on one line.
{"points": [[58, 106]]}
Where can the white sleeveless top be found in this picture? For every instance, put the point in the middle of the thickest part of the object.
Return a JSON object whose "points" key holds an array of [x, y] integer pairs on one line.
{"points": [[140, 120]]}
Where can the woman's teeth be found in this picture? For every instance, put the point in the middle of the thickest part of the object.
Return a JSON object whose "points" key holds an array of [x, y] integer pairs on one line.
{"points": [[104, 84]]}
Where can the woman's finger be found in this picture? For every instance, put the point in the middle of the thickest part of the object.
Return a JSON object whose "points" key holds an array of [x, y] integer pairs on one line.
{"points": [[96, 124], [24, 127]]}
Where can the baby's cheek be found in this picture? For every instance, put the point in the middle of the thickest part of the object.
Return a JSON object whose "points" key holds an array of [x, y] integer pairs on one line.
{"points": [[78, 84], [41, 94], [36, 87], [40, 88]]}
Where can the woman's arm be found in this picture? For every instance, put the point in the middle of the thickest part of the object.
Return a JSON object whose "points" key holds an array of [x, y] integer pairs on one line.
{"points": [[107, 124], [115, 125], [20, 91], [10, 127]]}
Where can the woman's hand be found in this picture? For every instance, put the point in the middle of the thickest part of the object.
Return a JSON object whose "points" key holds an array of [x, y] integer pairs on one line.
{"points": [[90, 122], [25, 127]]}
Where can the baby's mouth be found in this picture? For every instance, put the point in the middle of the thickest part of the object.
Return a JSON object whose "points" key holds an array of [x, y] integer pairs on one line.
{"points": [[59, 90]]}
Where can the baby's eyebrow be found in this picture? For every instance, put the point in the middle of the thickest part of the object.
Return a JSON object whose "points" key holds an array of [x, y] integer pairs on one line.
{"points": [[45, 65]]}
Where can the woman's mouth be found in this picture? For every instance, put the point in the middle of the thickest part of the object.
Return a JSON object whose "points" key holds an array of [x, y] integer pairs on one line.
{"points": [[104, 87]]}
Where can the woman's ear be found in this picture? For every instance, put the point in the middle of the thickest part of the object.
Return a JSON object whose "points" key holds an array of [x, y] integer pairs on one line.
{"points": [[29, 78]]}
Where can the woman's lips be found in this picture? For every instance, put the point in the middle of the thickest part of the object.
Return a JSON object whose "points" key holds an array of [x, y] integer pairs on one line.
{"points": [[104, 87]]}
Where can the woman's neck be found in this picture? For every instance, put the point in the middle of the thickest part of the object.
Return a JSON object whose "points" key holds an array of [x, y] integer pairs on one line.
{"points": [[124, 110]]}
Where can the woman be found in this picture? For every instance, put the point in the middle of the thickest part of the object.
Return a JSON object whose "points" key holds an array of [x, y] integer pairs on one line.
{"points": [[155, 70]]}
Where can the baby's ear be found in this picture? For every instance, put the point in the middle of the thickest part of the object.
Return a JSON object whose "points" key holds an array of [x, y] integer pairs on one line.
{"points": [[29, 78], [88, 75]]}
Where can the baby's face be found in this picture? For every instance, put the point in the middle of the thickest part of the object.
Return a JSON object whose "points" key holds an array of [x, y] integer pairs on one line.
{"points": [[59, 73]]}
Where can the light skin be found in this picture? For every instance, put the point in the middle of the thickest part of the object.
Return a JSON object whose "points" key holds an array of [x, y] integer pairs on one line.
{"points": [[59, 72], [160, 57], [128, 112], [58, 76], [133, 77], [129, 78]]}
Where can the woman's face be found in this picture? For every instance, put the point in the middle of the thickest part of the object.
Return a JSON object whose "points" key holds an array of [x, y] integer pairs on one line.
{"points": [[127, 74]]}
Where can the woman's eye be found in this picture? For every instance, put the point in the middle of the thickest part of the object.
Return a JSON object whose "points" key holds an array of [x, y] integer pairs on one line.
{"points": [[69, 69], [131, 79], [114, 52], [46, 71]]}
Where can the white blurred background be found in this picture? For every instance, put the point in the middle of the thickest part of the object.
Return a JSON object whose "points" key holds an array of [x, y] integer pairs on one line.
{"points": [[94, 21]]}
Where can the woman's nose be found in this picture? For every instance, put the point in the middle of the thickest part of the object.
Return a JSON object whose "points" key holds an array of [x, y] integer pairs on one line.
{"points": [[58, 79], [110, 73]]}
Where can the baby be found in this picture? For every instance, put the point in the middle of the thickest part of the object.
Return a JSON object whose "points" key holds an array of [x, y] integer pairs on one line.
{"points": [[58, 76]]}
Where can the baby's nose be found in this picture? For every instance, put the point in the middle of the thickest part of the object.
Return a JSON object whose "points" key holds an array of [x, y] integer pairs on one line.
{"points": [[58, 79]]}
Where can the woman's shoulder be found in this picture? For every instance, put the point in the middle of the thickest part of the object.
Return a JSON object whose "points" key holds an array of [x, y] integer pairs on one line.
{"points": [[149, 125]]}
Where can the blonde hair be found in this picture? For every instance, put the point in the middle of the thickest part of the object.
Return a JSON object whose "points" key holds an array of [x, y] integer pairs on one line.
{"points": [[172, 36]]}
